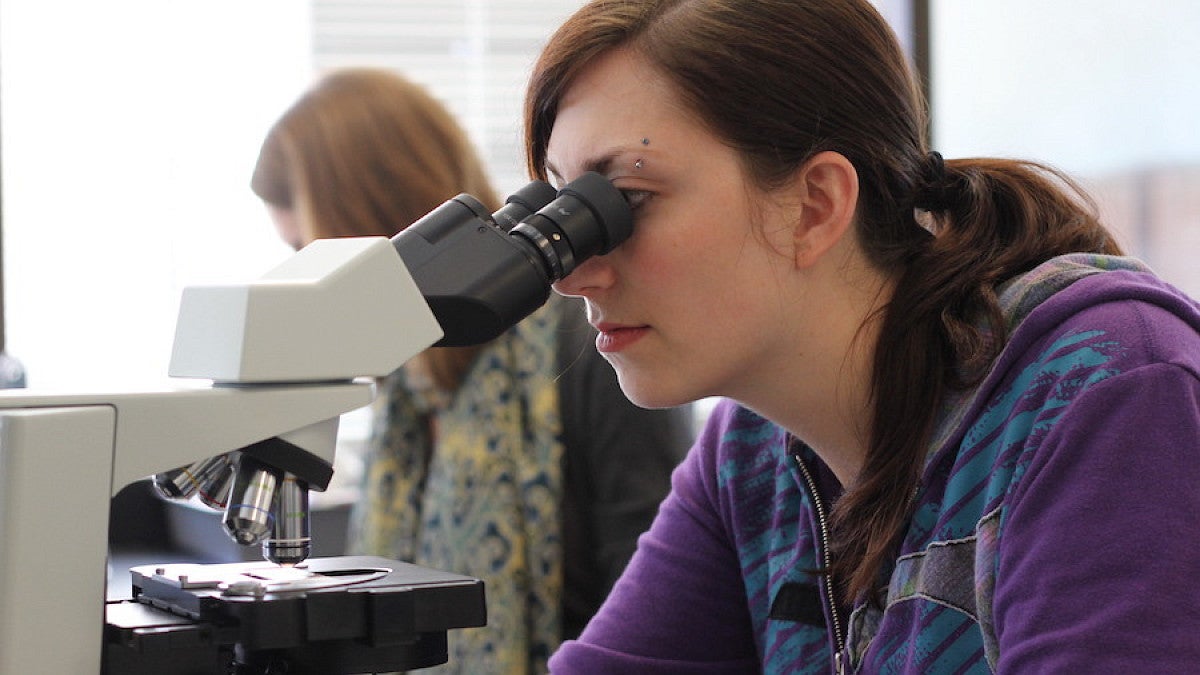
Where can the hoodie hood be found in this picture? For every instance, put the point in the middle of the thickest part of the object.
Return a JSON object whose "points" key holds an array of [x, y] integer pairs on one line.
{"points": [[1037, 301]]}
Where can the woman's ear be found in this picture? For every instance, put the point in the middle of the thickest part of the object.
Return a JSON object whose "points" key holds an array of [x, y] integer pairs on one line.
{"points": [[827, 185]]}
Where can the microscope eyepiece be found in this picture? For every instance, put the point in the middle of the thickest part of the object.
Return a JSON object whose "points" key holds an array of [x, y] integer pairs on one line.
{"points": [[588, 217], [522, 203], [482, 273], [614, 218]]}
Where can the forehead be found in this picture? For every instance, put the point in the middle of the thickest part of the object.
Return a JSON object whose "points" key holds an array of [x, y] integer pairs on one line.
{"points": [[615, 102]]}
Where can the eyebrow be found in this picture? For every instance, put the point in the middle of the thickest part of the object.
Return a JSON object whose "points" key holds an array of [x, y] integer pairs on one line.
{"points": [[601, 165]]}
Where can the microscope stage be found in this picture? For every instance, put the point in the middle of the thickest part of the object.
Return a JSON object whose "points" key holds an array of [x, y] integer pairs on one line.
{"points": [[254, 579], [349, 614]]}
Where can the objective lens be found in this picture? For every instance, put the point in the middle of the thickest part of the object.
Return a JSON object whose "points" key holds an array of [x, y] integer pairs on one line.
{"points": [[214, 490], [184, 482], [290, 542], [248, 517]]}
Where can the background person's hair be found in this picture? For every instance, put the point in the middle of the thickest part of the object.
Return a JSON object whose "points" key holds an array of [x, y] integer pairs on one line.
{"points": [[782, 80], [365, 152]]}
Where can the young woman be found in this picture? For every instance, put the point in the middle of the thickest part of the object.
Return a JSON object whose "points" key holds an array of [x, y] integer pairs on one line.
{"points": [[962, 431], [519, 461]]}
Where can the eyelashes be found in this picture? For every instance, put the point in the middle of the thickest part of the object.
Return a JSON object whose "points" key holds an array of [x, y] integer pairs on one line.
{"points": [[635, 198]]}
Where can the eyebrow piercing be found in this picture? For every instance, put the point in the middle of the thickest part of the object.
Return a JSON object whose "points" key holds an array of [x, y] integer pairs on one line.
{"points": [[638, 164], [645, 141]]}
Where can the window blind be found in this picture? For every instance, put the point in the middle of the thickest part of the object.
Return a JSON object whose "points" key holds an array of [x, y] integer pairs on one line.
{"points": [[473, 55]]}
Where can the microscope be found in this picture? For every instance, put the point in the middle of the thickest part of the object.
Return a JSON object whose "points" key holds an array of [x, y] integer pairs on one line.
{"points": [[249, 427]]}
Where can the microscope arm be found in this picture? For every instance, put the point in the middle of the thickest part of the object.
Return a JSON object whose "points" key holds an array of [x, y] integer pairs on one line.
{"points": [[63, 456]]}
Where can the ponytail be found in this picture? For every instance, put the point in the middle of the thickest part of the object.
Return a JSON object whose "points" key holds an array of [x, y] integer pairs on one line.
{"points": [[989, 221]]}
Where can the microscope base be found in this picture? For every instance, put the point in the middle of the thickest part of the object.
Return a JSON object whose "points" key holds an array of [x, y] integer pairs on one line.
{"points": [[332, 616]]}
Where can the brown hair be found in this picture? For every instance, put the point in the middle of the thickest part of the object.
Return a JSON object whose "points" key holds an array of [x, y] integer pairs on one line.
{"points": [[366, 152], [782, 80]]}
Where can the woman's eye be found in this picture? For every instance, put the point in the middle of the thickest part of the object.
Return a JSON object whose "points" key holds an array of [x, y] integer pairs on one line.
{"points": [[635, 198]]}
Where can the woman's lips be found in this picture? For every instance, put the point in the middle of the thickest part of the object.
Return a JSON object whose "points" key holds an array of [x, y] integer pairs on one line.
{"points": [[613, 339]]}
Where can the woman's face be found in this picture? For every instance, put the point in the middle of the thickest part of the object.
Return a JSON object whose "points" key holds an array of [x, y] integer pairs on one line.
{"points": [[697, 302]]}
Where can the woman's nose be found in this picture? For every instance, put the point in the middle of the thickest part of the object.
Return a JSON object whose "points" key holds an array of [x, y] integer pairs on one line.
{"points": [[593, 275]]}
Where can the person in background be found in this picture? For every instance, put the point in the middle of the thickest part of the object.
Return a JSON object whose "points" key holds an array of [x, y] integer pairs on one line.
{"points": [[962, 431], [519, 461]]}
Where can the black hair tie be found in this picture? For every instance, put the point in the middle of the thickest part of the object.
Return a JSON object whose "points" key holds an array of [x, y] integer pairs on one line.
{"points": [[933, 167], [933, 192]]}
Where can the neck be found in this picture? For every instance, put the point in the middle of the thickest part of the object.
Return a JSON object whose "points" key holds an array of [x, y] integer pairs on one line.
{"points": [[825, 401]]}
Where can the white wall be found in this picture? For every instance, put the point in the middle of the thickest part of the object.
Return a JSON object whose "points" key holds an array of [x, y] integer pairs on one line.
{"points": [[130, 128], [1107, 90], [1091, 86]]}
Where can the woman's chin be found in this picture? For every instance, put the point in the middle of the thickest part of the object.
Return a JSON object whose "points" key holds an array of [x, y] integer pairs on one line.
{"points": [[646, 391]]}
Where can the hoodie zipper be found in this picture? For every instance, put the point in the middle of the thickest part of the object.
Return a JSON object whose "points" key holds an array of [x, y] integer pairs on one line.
{"points": [[822, 522]]}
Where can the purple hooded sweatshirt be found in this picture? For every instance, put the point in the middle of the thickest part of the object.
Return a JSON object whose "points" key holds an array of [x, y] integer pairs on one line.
{"points": [[1056, 528]]}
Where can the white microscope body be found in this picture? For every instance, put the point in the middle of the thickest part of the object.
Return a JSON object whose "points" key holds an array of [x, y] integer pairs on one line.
{"points": [[283, 353]]}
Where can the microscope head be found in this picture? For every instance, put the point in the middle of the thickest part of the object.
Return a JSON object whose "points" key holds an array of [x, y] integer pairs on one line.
{"points": [[342, 309]]}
